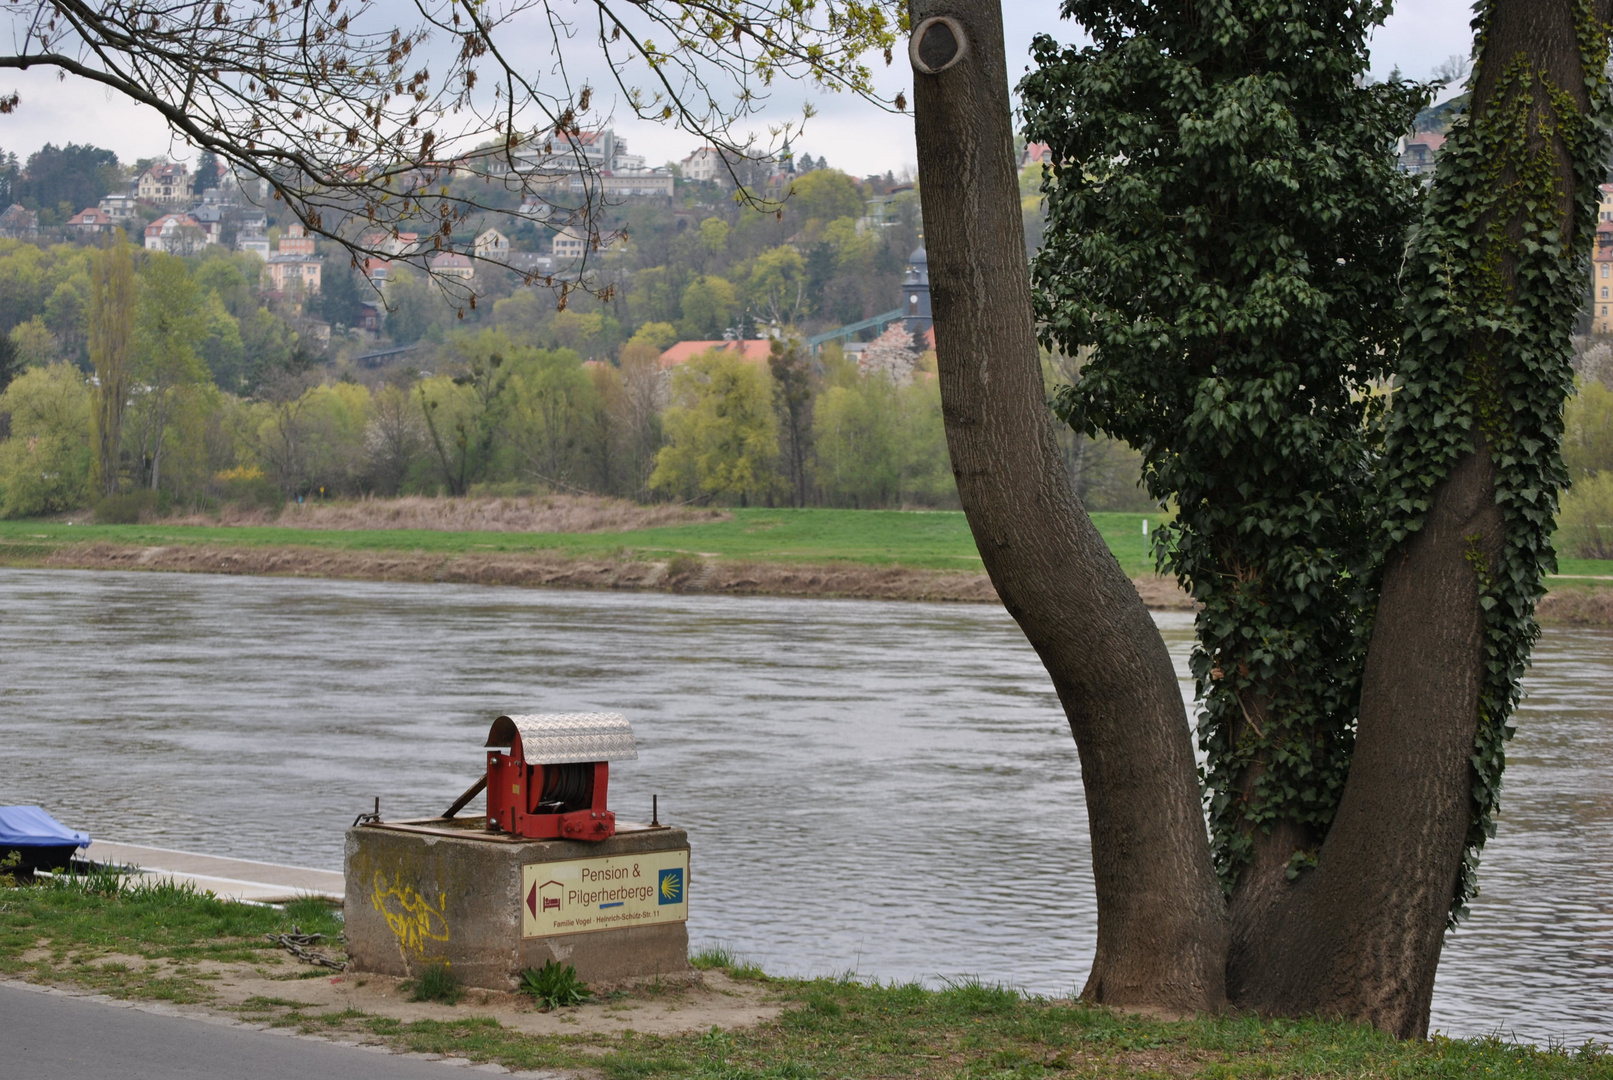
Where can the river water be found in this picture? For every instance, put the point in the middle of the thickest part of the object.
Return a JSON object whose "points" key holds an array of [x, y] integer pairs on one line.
{"points": [[883, 789]]}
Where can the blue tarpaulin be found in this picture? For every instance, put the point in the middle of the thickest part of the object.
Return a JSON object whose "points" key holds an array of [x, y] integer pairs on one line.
{"points": [[29, 826]]}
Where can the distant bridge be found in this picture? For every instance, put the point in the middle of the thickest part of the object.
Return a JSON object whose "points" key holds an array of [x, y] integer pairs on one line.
{"points": [[380, 356], [845, 333]]}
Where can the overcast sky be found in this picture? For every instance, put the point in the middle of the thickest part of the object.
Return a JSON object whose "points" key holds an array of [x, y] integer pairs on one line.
{"points": [[850, 133]]}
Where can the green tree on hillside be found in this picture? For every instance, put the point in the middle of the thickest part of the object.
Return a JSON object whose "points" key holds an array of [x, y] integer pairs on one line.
{"points": [[73, 175], [822, 196], [394, 439], [227, 278], [854, 430], [791, 368], [722, 440], [464, 412], [167, 372], [635, 415], [45, 464], [66, 316], [207, 171], [655, 335], [709, 306], [112, 351], [11, 364], [1588, 431], [36, 346], [777, 285], [221, 347], [550, 424]]}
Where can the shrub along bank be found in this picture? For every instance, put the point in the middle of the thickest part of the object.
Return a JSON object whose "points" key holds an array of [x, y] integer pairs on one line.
{"points": [[66, 932]]}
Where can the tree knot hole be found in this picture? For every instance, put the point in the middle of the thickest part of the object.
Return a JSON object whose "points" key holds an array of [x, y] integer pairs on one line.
{"points": [[937, 44]]}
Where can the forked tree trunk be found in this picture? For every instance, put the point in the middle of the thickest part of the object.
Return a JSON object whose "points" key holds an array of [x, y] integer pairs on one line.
{"points": [[1161, 918], [1360, 937]]}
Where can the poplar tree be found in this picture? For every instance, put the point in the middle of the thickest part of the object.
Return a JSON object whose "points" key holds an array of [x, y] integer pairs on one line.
{"points": [[111, 319]]}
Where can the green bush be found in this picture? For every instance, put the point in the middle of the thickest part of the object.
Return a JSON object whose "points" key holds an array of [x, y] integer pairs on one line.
{"points": [[126, 509], [247, 486], [1585, 523], [45, 464], [47, 474], [554, 986]]}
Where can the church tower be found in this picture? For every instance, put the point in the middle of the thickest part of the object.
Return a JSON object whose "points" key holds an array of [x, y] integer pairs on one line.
{"points": [[916, 293]]}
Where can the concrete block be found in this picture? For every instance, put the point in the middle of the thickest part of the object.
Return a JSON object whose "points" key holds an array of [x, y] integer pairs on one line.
{"points": [[491, 905]]}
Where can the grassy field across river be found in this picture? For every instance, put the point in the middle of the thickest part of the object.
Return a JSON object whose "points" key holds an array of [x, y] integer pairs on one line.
{"points": [[874, 554], [210, 956]]}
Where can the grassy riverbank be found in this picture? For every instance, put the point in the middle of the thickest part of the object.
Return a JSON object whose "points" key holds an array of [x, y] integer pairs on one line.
{"points": [[938, 540], [173, 945], [874, 554]]}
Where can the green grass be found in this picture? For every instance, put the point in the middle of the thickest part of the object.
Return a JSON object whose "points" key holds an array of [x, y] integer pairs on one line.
{"points": [[1583, 574], [861, 1031], [719, 956], [933, 540], [837, 1028], [938, 540], [77, 923]]}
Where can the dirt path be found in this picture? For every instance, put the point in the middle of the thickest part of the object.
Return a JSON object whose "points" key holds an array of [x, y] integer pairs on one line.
{"points": [[276, 987]]}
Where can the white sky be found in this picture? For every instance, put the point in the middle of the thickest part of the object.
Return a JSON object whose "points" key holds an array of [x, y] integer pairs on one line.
{"points": [[852, 134]]}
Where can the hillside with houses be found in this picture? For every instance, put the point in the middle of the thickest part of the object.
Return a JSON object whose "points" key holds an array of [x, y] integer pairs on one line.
{"points": [[677, 344]]}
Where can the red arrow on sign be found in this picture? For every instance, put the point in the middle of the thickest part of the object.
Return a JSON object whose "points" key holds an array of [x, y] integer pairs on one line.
{"points": [[532, 900]]}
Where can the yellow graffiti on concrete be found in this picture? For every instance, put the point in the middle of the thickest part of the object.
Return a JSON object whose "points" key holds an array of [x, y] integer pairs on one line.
{"points": [[410, 915]]}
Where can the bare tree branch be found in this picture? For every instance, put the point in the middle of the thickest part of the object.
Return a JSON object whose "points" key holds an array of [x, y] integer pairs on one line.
{"points": [[368, 129]]}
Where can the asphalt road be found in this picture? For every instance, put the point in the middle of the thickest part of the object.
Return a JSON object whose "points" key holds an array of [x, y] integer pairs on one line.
{"points": [[58, 1037]]}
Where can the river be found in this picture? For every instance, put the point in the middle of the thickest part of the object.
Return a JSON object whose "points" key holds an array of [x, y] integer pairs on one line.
{"points": [[881, 789]]}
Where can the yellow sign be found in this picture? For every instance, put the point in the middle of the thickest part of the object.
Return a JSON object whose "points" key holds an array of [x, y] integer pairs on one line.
{"points": [[604, 894]]}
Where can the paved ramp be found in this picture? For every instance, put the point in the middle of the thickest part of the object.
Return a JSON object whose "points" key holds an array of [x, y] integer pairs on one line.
{"points": [[233, 879]]}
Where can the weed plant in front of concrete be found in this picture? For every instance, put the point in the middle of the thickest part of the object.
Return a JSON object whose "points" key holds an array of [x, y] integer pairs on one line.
{"points": [[436, 982], [554, 986]]}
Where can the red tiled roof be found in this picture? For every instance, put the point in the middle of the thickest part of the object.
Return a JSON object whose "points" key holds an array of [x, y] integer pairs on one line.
{"points": [[155, 228], [756, 350]]}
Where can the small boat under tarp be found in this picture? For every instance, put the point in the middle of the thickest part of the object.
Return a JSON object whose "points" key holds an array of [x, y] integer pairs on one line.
{"points": [[37, 841]]}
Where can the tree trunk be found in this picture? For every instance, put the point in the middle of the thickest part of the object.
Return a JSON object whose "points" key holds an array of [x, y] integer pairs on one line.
{"points": [[112, 312], [1162, 928], [1360, 937]]}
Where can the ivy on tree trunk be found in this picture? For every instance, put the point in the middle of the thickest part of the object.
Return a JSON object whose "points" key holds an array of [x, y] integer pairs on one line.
{"points": [[1364, 458]]}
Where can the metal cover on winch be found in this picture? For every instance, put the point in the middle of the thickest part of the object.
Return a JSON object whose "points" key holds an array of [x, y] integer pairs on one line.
{"points": [[558, 738]]}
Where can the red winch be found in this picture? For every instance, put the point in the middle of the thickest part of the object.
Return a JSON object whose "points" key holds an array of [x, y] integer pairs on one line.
{"points": [[551, 784]]}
